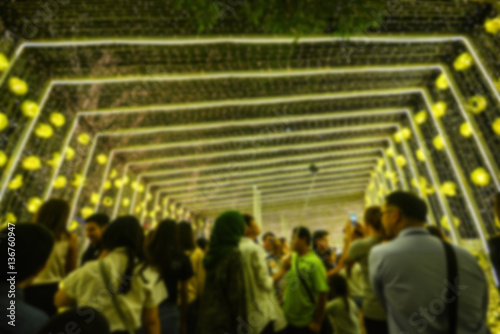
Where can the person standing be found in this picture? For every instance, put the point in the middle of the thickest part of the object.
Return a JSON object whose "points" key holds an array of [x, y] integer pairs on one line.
{"points": [[413, 277], [306, 287], [322, 249], [341, 310], [95, 226]]}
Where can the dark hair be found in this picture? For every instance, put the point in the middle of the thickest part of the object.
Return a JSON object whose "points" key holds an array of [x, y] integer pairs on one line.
{"points": [[339, 288], [202, 243], [303, 232], [318, 234], [410, 205], [373, 217], [100, 219], [33, 246], [248, 219], [186, 236], [436, 231], [86, 319], [283, 239], [163, 244], [54, 215], [126, 232], [264, 237]]}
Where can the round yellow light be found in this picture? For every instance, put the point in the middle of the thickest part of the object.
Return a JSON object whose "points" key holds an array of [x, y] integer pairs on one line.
{"points": [[3, 158], [477, 104], [77, 180], [406, 133], [439, 109], [107, 201], [140, 188], [4, 121], [83, 138], [430, 190], [10, 218], [465, 130], [102, 159], [420, 155], [492, 26], [94, 198], [152, 214], [138, 210], [118, 183], [401, 161], [86, 212], [73, 226], [414, 182], [32, 163], [463, 62], [70, 153], [421, 117], [480, 177], [423, 182], [44, 131], [445, 224], [4, 62], [134, 185], [18, 86], [30, 109], [34, 204], [126, 180], [398, 137], [60, 182], [56, 158], [125, 202], [113, 173], [438, 143], [57, 119], [16, 182], [449, 188], [496, 126], [107, 185], [389, 152], [441, 82]]}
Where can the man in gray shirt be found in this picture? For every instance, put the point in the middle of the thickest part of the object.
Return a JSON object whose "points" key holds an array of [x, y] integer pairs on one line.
{"points": [[409, 275]]}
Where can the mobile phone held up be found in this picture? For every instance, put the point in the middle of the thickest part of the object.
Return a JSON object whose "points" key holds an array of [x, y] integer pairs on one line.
{"points": [[354, 219]]}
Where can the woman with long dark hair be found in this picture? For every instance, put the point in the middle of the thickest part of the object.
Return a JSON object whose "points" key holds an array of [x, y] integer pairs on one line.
{"points": [[224, 299], [120, 284], [175, 268], [54, 215], [342, 310]]}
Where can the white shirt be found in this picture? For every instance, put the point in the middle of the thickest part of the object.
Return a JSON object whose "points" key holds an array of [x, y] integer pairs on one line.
{"points": [[55, 270], [87, 287], [262, 305]]}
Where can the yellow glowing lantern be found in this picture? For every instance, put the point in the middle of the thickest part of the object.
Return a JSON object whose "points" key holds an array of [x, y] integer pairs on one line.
{"points": [[4, 121], [496, 126], [445, 224], [107, 201], [57, 119], [113, 173], [125, 202], [492, 26], [18, 86], [421, 117], [140, 188], [414, 182], [439, 109], [398, 137], [389, 151], [83, 138], [118, 183], [441, 82], [477, 104], [406, 133], [134, 185], [74, 225], [86, 212], [449, 188], [126, 180], [463, 62], [107, 185], [16, 182], [465, 130], [420, 155], [56, 158], [70, 153], [32, 163], [480, 177], [102, 159], [138, 210], [30, 109], [77, 180], [10, 218], [4, 62], [152, 214], [60, 182], [34, 204], [401, 161], [3, 158], [430, 190], [94, 198], [438, 143], [44, 131]]}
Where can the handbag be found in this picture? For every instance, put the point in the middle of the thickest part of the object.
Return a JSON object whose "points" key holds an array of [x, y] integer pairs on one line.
{"points": [[326, 326], [451, 264], [129, 328]]}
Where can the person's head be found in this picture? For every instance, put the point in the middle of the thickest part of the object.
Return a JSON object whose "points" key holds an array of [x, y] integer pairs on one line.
{"points": [[373, 221], [401, 210], [338, 286], [301, 239], [437, 232], [186, 236], [266, 241], [252, 229], [320, 241], [277, 248], [163, 244], [54, 215], [33, 246], [82, 320], [125, 231], [95, 226], [202, 243]]}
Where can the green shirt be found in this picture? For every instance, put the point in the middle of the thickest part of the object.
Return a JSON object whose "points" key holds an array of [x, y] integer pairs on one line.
{"points": [[298, 307]]}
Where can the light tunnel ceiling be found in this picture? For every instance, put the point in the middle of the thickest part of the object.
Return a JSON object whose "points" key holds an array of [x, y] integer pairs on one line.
{"points": [[121, 114]]}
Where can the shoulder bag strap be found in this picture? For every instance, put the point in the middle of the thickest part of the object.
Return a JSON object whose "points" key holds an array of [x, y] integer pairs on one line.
{"points": [[116, 304], [451, 261], [303, 281]]}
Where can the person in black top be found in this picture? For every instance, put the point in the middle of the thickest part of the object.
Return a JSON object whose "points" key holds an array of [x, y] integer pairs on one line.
{"points": [[164, 253], [322, 249], [94, 228]]}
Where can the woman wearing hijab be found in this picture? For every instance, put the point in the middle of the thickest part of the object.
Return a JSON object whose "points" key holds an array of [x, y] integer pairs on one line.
{"points": [[224, 305]]}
